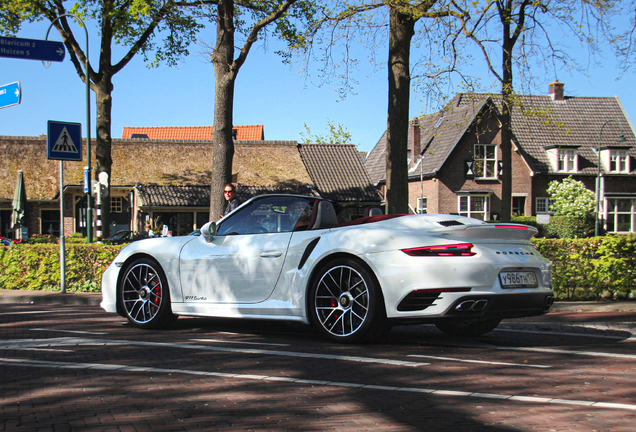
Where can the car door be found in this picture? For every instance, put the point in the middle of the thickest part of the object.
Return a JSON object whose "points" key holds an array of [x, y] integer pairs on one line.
{"points": [[243, 262]]}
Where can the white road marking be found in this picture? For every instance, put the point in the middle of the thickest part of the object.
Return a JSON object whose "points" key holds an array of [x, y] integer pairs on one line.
{"points": [[438, 392], [480, 361], [572, 352], [34, 349], [237, 342], [34, 312], [68, 331], [70, 341], [554, 333]]}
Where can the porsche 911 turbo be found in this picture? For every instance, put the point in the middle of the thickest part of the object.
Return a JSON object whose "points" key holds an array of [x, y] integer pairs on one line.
{"points": [[287, 257]]}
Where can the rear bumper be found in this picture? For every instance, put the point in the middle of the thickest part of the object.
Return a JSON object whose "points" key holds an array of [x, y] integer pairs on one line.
{"points": [[490, 306]]}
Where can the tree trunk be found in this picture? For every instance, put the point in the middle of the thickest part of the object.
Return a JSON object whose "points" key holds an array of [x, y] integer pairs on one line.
{"points": [[103, 160], [507, 95], [397, 188], [224, 79]]}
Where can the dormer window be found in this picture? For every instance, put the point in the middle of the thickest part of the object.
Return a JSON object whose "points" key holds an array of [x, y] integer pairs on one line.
{"points": [[563, 158], [567, 160], [485, 161], [615, 159], [619, 161]]}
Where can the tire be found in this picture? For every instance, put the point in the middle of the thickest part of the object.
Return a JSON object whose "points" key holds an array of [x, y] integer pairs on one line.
{"points": [[144, 295], [468, 328], [346, 301]]}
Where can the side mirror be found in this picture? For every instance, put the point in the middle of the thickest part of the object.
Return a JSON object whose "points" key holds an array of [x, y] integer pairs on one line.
{"points": [[208, 231]]}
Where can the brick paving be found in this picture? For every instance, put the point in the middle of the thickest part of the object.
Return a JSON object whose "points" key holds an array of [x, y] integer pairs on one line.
{"points": [[114, 377]]}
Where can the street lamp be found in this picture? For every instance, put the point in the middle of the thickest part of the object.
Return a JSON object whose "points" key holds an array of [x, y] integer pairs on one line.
{"points": [[620, 139]]}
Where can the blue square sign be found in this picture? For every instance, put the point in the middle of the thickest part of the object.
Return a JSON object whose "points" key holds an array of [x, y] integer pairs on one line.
{"points": [[64, 141]]}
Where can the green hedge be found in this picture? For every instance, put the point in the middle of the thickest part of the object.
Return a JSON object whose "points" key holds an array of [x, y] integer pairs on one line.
{"points": [[583, 269], [37, 266], [593, 268]]}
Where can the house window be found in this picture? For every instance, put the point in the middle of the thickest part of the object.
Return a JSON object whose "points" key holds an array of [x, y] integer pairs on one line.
{"points": [[116, 204], [50, 220], [422, 205], [543, 205], [621, 215], [619, 161], [485, 161], [567, 160], [519, 206], [474, 206]]}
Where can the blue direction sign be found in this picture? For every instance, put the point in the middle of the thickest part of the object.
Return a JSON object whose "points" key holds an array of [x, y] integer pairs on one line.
{"points": [[64, 141], [31, 49], [10, 94]]}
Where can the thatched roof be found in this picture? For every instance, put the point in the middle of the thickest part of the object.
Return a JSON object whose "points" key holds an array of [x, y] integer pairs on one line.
{"points": [[150, 162]]}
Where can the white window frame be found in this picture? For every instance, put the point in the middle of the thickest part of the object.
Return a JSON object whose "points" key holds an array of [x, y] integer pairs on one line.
{"points": [[568, 160], [469, 212], [422, 205], [614, 215], [545, 204], [483, 160], [619, 161]]}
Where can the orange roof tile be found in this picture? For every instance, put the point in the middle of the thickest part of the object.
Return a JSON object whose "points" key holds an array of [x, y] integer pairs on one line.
{"points": [[243, 133]]}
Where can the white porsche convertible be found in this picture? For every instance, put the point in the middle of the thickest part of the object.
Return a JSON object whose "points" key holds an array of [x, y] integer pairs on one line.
{"points": [[286, 257]]}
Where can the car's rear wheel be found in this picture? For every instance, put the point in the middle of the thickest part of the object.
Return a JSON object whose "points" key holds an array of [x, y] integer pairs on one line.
{"points": [[346, 301], [144, 295], [468, 328]]}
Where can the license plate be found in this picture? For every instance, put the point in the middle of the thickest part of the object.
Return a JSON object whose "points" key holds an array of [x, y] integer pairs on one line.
{"points": [[518, 279]]}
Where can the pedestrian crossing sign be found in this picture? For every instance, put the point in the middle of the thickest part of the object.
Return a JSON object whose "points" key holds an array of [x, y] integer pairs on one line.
{"points": [[64, 141]]}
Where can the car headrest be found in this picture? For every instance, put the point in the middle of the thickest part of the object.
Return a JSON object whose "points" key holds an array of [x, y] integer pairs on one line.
{"points": [[324, 215]]}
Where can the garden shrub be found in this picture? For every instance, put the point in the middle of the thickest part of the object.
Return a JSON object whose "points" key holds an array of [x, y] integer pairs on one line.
{"points": [[37, 266], [593, 268]]}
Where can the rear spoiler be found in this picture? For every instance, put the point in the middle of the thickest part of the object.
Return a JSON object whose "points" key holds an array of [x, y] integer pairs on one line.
{"points": [[494, 231]]}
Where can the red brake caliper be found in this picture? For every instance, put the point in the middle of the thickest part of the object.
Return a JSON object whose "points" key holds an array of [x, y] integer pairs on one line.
{"points": [[157, 298]]}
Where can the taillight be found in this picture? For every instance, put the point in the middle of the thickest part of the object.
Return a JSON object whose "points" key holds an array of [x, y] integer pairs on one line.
{"points": [[463, 249], [512, 226]]}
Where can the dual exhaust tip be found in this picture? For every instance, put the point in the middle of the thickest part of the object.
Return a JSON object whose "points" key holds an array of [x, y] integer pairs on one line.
{"points": [[472, 305], [480, 305]]}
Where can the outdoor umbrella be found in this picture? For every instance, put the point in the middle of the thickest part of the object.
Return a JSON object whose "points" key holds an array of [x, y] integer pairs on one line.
{"points": [[19, 217]]}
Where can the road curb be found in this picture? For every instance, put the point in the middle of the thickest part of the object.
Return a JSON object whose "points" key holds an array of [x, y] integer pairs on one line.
{"points": [[50, 298]]}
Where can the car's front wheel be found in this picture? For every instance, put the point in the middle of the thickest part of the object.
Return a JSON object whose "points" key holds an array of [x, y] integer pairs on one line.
{"points": [[144, 295], [468, 328], [346, 301]]}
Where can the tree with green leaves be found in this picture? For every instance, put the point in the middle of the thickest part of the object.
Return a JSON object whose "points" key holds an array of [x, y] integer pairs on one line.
{"points": [[513, 32], [251, 20], [135, 24], [571, 198], [368, 20], [336, 134]]}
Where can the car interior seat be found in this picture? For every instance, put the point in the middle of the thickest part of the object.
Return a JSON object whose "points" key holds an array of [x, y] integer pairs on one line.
{"points": [[324, 215], [373, 211]]}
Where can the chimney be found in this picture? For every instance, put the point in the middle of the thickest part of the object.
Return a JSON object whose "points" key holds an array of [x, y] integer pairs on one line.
{"points": [[416, 146], [556, 91]]}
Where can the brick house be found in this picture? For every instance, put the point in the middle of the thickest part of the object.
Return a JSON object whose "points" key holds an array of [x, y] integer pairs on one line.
{"points": [[167, 180], [454, 155]]}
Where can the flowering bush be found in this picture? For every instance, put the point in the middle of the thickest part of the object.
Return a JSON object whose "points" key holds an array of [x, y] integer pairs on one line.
{"points": [[571, 198]]}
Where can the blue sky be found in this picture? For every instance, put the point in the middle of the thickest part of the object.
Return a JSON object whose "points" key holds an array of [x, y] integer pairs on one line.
{"points": [[267, 92]]}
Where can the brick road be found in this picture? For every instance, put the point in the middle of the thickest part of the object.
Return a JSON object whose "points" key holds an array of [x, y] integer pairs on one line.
{"points": [[69, 367]]}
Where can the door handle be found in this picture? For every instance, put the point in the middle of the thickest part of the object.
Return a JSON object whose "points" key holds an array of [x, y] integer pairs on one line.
{"points": [[270, 254]]}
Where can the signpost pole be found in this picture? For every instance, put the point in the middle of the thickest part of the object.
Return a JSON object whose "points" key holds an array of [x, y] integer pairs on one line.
{"points": [[89, 198], [62, 249]]}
